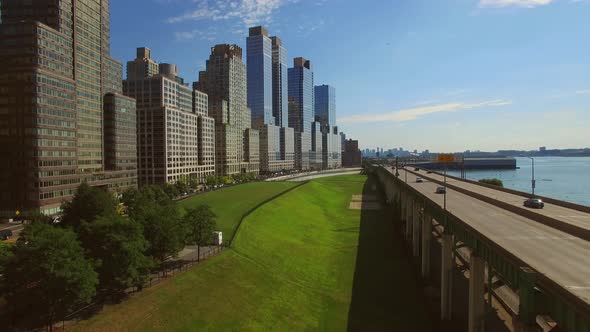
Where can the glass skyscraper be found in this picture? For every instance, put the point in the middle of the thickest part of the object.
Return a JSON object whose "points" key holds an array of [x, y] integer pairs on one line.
{"points": [[301, 90], [267, 99], [325, 105], [280, 93], [259, 61]]}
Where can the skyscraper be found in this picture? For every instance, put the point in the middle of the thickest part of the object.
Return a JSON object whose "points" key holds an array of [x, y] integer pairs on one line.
{"points": [[301, 113], [325, 105], [224, 81], [176, 136], [143, 66], [60, 105], [280, 93], [325, 115], [275, 155]]}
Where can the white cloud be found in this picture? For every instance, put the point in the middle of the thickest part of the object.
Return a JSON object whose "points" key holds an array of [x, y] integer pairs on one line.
{"points": [[250, 12], [583, 92], [516, 3], [189, 35], [410, 114]]}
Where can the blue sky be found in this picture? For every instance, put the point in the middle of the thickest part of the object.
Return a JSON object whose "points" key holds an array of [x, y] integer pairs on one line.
{"points": [[444, 75]]}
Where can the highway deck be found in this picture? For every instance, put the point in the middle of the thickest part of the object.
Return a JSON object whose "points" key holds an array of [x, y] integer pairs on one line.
{"points": [[563, 258], [567, 215]]}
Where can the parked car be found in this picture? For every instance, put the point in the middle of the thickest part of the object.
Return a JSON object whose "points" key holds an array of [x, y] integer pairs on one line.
{"points": [[535, 203], [419, 179], [5, 234], [441, 190]]}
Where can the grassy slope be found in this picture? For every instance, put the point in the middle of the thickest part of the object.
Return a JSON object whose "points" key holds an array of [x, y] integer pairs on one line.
{"points": [[291, 269], [230, 203]]}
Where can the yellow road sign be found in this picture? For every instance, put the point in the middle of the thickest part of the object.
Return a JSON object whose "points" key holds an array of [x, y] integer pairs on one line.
{"points": [[446, 158]]}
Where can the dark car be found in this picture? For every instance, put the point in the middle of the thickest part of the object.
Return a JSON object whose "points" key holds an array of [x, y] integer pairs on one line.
{"points": [[416, 169], [441, 190], [535, 203], [428, 172], [5, 234]]}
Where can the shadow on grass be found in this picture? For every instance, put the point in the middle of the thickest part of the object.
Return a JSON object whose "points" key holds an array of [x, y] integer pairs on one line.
{"points": [[386, 295]]}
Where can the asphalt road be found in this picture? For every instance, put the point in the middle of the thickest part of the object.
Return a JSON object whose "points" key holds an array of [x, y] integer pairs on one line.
{"points": [[570, 216], [561, 257]]}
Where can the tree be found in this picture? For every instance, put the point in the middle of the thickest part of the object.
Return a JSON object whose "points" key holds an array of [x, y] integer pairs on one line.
{"points": [[48, 275], [116, 246], [135, 200], [88, 204], [201, 223], [171, 190], [182, 185], [211, 180], [495, 182], [5, 256], [163, 229]]}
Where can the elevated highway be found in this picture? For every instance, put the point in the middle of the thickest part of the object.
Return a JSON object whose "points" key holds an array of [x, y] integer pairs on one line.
{"points": [[547, 267]]}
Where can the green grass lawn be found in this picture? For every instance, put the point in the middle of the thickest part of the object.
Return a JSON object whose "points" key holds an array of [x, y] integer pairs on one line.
{"points": [[294, 266], [230, 203]]}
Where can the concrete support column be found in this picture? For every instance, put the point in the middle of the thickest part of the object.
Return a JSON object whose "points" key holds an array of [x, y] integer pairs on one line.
{"points": [[416, 230], [476, 293], [446, 279], [426, 237], [409, 220]]}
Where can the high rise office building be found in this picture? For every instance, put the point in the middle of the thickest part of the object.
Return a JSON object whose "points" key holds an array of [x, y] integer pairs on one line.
{"points": [[301, 110], [224, 81], [176, 135], [143, 66], [63, 118], [275, 155], [325, 115]]}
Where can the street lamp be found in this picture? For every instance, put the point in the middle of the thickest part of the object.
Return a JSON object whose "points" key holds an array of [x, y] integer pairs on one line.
{"points": [[533, 176]]}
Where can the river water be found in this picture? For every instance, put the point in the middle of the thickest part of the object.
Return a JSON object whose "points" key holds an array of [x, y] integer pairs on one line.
{"points": [[565, 178]]}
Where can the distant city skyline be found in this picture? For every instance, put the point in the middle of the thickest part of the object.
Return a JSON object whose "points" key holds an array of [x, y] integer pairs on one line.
{"points": [[430, 74]]}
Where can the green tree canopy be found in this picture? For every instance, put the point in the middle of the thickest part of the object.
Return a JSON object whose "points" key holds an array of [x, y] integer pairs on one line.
{"points": [[116, 246], [201, 224], [495, 182], [88, 204], [48, 275], [163, 229]]}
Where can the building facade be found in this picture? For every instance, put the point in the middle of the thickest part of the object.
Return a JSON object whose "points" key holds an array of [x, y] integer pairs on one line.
{"points": [[224, 81], [176, 137], [325, 115], [60, 101], [351, 157], [301, 110], [267, 115], [143, 66]]}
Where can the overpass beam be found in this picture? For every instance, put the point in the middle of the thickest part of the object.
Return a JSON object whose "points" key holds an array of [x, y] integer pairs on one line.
{"points": [[426, 238], [446, 279], [416, 230], [476, 293]]}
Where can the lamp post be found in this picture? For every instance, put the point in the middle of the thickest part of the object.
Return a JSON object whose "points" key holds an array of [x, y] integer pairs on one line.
{"points": [[533, 176]]}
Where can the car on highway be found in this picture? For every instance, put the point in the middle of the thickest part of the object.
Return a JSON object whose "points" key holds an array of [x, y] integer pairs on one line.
{"points": [[428, 172], [419, 179], [535, 203], [416, 169], [441, 190]]}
